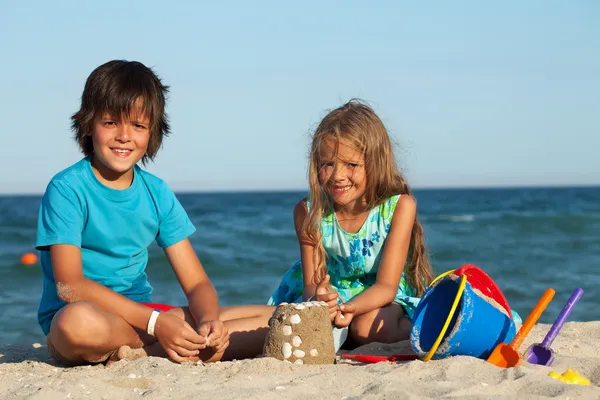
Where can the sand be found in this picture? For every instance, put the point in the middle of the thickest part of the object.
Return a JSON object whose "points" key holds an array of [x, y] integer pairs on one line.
{"points": [[27, 372]]}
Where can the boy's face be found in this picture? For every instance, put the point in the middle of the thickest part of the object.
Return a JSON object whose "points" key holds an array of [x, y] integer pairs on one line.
{"points": [[118, 145]]}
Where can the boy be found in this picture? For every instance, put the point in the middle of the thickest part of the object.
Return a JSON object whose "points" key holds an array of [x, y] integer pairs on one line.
{"points": [[96, 221]]}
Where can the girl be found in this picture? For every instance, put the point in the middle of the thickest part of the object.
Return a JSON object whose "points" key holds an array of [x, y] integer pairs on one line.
{"points": [[96, 221], [361, 245]]}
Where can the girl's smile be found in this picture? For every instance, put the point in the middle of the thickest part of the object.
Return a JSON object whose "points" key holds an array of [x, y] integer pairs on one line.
{"points": [[342, 174]]}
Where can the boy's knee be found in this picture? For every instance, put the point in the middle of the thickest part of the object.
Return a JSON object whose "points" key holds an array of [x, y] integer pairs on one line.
{"points": [[80, 324]]}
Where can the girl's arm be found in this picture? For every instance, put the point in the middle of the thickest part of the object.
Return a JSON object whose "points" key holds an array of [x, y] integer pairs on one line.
{"points": [[393, 259], [308, 266], [306, 250]]}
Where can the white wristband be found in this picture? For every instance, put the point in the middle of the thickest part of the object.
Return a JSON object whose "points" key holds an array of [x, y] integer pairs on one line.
{"points": [[152, 322]]}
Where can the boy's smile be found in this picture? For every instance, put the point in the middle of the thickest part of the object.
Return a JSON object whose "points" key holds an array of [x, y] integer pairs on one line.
{"points": [[118, 145], [119, 152]]}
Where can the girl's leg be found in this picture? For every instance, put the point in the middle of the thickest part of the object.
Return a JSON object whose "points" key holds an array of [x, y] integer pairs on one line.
{"points": [[385, 325], [82, 333]]}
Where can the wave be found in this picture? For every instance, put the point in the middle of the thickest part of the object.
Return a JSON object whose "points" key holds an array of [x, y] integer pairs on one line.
{"points": [[509, 215], [457, 218]]}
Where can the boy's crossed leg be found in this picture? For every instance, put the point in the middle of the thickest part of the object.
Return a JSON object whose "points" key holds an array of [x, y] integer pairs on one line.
{"points": [[82, 333]]}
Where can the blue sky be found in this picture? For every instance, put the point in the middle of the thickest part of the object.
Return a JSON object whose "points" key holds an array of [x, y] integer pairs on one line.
{"points": [[474, 93]]}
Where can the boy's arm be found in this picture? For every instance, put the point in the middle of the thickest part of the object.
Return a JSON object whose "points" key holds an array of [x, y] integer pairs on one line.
{"points": [[60, 223], [177, 338], [202, 297], [73, 286], [393, 259], [174, 230], [200, 292]]}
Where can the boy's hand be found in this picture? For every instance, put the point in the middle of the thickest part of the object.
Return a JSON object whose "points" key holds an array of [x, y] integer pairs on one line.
{"points": [[344, 315], [216, 334], [322, 294], [177, 337]]}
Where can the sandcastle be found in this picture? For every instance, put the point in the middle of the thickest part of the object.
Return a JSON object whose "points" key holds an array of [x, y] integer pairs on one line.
{"points": [[300, 333]]}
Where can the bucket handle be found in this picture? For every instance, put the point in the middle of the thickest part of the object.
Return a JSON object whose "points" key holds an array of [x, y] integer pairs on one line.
{"points": [[437, 278], [461, 288]]}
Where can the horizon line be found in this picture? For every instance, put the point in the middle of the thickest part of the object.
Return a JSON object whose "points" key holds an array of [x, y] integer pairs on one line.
{"points": [[297, 190]]}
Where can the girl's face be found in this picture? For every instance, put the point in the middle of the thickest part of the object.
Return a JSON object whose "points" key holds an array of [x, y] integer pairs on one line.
{"points": [[342, 174], [118, 146]]}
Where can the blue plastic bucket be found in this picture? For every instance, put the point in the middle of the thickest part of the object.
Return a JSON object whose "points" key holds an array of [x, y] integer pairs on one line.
{"points": [[477, 326]]}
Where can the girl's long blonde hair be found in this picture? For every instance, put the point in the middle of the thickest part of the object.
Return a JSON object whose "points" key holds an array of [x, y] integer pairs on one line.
{"points": [[357, 125]]}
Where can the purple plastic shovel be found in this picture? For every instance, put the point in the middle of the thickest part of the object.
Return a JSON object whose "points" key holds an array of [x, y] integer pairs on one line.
{"points": [[541, 353]]}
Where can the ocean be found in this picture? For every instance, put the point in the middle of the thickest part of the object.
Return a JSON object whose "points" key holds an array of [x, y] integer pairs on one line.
{"points": [[526, 239]]}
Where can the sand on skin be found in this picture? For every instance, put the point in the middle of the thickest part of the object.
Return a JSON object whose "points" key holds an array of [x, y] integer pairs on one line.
{"points": [[26, 372]]}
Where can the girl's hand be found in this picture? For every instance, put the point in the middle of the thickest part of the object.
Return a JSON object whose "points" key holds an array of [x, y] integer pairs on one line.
{"points": [[344, 315], [216, 334], [322, 294], [177, 337]]}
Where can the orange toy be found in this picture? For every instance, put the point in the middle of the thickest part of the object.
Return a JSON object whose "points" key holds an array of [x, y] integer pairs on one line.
{"points": [[506, 356], [29, 259]]}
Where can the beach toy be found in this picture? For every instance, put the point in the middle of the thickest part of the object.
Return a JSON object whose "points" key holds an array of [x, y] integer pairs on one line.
{"points": [[506, 355], [28, 259], [571, 377], [482, 282], [456, 318], [542, 354], [375, 359]]}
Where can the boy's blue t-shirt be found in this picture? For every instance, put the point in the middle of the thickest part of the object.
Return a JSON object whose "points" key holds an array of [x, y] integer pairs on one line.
{"points": [[113, 228]]}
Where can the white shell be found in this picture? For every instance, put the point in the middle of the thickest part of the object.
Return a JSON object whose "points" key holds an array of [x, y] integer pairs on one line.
{"points": [[296, 341], [298, 353], [316, 303], [298, 362], [287, 330], [300, 307], [286, 350], [342, 316], [323, 304], [295, 319], [308, 304], [314, 352], [283, 304]]}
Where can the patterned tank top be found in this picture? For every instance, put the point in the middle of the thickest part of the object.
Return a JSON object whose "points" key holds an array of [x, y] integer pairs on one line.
{"points": [[352, 259]]}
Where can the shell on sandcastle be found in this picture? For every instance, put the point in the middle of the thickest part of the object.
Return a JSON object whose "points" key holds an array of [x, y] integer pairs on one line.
{"points": [[301, 333]]}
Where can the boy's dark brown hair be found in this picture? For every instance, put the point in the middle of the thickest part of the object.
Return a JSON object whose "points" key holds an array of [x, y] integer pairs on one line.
{"points": [[122, 88]]}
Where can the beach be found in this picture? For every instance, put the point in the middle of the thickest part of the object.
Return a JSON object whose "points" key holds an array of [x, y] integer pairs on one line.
{"points": [[26, 371]]}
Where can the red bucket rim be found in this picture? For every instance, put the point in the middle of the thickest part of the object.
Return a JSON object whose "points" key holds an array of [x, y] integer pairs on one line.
{"points": [[481, 281]]}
